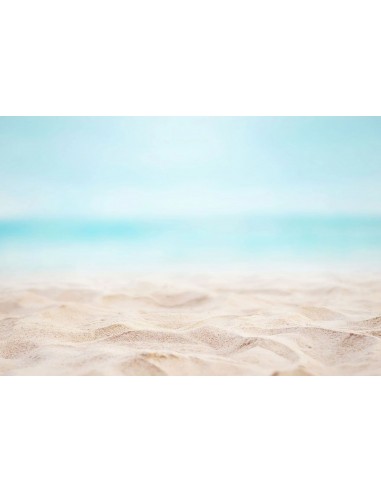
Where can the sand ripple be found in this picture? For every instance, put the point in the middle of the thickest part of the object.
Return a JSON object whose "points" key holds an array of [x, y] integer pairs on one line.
{"points": [[192, 325]]}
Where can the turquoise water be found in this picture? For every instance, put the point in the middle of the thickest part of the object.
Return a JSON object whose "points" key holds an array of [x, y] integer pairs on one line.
{"points": [[139, 244]]}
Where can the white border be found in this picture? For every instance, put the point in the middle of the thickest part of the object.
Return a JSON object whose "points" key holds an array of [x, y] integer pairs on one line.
{"points": [[189, 434], [199, 57]]}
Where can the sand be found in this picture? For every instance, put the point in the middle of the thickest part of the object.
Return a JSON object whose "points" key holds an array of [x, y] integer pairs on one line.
{"points": [[192, 324]]}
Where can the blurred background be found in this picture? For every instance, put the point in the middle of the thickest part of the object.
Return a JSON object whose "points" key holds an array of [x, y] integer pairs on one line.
{"points": [[146, 192]]}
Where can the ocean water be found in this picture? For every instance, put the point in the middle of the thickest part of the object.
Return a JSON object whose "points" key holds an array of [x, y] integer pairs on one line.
{"points": [[117, 245]]}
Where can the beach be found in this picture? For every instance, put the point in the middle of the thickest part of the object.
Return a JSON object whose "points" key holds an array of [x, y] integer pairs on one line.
{"points": [[192, 324]]}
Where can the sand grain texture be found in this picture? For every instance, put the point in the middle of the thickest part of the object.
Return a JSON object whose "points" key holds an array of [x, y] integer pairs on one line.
{"points": [[192, 325]]}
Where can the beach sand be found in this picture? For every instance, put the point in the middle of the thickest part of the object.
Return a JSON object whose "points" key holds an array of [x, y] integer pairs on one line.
{"points": [[192, 324]]}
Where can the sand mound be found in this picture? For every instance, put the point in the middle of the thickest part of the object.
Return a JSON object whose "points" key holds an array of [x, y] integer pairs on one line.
{"points": [[192, 325]]}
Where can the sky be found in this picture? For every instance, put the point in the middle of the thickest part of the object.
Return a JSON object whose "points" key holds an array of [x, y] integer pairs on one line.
{"points": [[128, 167]]}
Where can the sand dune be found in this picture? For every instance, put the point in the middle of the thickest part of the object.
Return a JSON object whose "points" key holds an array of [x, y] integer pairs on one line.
{"points": [[192, 325]]}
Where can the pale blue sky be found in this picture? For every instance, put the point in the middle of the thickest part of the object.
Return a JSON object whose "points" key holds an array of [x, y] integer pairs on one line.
{"points": [[188, 166]]}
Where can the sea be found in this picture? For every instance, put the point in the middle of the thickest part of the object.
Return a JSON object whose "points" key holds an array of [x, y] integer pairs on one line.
{"points": [[224, 242]]}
